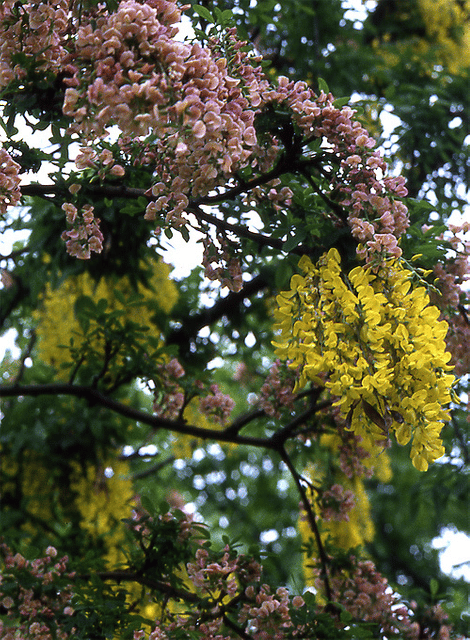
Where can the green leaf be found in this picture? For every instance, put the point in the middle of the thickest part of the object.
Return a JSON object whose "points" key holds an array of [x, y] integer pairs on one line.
{"points": [[340, 102], [323, 86], [147, 504], [433, 587], [120, 297], [203, 12], [224, 18], [101, 306], [84, 304], [293, 241]]}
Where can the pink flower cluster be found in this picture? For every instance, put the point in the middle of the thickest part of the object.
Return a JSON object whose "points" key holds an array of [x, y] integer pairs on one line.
{"points": [[169, 396], [433, 624], [228, 269], [170, 400], [358, 174], [335, 503], [276, 392], [102, 160], [33, 612], [130, 71], [214, 577], [192, 109], [365, 593], [354, 459], [200, 103], [227, 585], [9, 181], [37, 32], [269, 616], [454, 298], [85, 236], [216, 404]]}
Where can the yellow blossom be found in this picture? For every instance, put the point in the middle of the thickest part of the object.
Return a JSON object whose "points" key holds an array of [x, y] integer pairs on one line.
{"points": [[379, 345], [57, 321], [103, 498]]}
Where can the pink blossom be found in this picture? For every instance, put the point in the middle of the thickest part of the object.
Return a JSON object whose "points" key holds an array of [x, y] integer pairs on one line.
{"points": [[9, 181]]}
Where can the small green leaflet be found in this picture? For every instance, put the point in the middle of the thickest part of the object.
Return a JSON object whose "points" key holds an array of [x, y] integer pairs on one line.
{"points": [[322, 85], [203, 12], [293, 241]]}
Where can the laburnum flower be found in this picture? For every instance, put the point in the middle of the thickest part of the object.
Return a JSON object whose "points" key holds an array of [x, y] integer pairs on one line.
{"points": [[380, 344]]}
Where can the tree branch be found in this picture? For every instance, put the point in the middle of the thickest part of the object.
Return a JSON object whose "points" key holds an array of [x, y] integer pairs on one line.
{"points": [[93, 396], [182, 336], [279, 437], [132, 576], [238, 229], [114, 191], [24, 357], [236, 628], [324, 560]]}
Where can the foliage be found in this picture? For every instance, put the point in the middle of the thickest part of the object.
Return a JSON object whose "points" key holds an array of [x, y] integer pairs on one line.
{"points": [[226, 454]]}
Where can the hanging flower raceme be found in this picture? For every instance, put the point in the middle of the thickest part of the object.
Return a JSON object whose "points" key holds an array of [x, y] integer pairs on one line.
{"points": [[380, 344]]}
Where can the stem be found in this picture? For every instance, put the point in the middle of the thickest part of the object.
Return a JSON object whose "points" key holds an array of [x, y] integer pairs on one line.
{"points": [[154, 469], [237, 629], [279, 437], [223, 307], [24, 357], [324, 560]]}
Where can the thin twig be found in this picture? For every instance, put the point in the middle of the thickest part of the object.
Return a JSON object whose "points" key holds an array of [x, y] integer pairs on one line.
{"points": [[24, 357], [324, 560], [154, 468], [279, 437], [236, 628]]}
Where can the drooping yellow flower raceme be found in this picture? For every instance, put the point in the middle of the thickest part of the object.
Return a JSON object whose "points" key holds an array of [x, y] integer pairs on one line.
{"points": [[104, 496], [447, 26], [375, 342], [57, 321]]}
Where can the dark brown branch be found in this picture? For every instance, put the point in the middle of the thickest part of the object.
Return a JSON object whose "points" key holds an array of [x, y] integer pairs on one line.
{"points": [[462, 441], [290, 162], [15, 253], [324, 560], [283, 434], [105, 190], [285, 165], [240, 422], [236, 628], [113, 191], [24, 357], [224, 306], [132, 576], [334, 206], [155, 422], [238, 229]]}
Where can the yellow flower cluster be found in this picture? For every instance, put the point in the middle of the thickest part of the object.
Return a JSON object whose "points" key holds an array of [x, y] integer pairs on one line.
{"points": [[56, 318], [447, 24], [103, 497], [375, 343], [446, 34]]}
